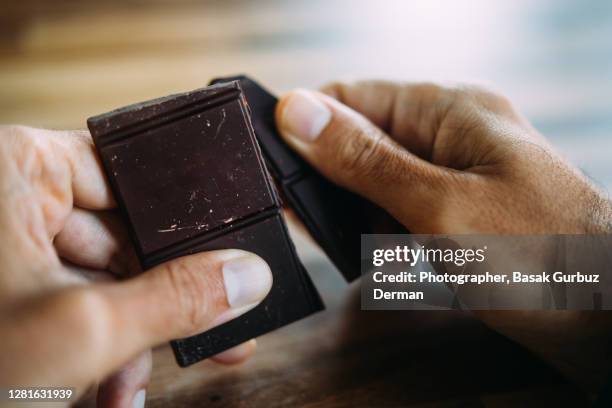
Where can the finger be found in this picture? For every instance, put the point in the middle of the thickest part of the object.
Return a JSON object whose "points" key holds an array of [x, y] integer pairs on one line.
{"points": [[411, 113], [97, 240], [120, 320], [354, 153], [126, 388], [237, 354], [89, 186], [79, 275], [186, 296], [374, 99]]}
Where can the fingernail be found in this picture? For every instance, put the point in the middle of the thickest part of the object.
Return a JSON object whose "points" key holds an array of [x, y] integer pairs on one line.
{"points": [[247, 280], [231, 314], [304, 116], [139, 399]]}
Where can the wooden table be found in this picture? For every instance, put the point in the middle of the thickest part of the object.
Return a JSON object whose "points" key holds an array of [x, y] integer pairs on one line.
{"points": [[65, 60]]}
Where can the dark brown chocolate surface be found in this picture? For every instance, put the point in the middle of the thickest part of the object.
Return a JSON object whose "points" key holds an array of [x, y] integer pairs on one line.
{"points": [[188, 175], [294, 298], [335, 217]]}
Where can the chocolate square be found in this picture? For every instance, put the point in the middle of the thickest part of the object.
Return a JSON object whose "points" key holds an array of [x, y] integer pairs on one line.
{"points": [[274, 310], [187, 173]]}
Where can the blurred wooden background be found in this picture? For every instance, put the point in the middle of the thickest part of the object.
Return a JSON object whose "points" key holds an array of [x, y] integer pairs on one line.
{"points": [[64, 60]]}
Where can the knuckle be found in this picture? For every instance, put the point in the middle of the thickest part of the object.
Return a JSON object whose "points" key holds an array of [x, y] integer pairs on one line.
{"points": [[15, 130], [356, 153], [77, 140], [367, 156], [193, 291], [25, 146], [429, 90], [487, 96], [25, 136], [335, 89], [16, 137], [427, 94]]}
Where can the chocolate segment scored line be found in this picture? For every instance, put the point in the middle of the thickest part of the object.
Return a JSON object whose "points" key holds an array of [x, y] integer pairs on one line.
{"points": [[104, 139]]}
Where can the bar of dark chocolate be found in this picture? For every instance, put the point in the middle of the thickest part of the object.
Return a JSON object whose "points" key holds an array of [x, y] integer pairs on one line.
{"points": [[187, 173], [335, 217]]}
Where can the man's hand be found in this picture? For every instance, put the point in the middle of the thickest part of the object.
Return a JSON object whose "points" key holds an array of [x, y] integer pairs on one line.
{"points": [[458, 160], [447, 160], [74, 308]]}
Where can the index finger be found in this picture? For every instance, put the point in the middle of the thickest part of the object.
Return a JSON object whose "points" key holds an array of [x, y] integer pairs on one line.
{"points": [[410, 113], [374, 99], [90, 187]]}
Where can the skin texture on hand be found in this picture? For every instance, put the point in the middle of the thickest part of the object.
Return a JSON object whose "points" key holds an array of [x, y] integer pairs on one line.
{"points": [[448, 160], [459, 160], [75, 309]]}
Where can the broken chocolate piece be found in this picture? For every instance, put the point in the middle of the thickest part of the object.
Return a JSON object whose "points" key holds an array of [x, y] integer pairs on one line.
{"points": [[187, 173], [335, 217]]}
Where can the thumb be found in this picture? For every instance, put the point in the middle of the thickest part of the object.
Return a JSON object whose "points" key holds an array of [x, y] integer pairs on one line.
{"points": [[91, 331], [352, 152], [189, 295]]}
